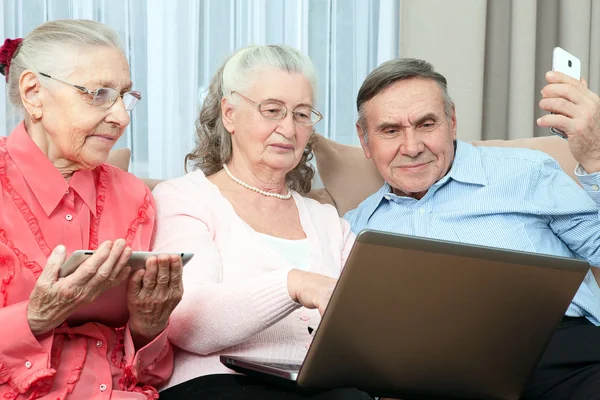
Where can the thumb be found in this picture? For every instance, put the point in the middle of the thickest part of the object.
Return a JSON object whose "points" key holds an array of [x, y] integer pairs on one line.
{"points": [[55, 261], [134, 285]]}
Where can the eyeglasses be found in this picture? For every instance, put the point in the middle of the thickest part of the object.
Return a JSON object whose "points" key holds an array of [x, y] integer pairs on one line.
{"points": [[276, 110], [105, 97]]}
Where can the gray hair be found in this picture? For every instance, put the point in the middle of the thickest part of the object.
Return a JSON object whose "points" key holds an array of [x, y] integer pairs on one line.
{"points": [[213, 141], [393, 71], [41, 48]]}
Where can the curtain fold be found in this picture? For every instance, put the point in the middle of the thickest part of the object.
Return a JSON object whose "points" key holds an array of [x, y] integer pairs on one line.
{"points": [[508, 43], [174, 47]]}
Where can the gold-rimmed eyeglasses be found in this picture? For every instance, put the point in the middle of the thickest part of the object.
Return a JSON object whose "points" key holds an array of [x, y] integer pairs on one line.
{"points": [[105, 97], [276, 110]]}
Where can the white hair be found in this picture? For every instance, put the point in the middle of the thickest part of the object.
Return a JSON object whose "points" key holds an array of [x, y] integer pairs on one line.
{"points": [[44, 47], [240, 68]]}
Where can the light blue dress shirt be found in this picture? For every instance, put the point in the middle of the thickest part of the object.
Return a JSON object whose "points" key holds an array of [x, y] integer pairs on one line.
{"points": [[510, 198]]}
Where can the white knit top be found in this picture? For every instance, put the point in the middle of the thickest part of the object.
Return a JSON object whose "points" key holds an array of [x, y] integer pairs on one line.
{"points": [[235, 298]]}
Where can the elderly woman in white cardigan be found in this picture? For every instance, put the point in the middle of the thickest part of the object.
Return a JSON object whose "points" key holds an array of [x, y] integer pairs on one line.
{"points": [[267, 258]]}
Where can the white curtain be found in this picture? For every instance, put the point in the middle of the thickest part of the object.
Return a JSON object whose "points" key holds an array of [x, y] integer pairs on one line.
{"points": [[174, 47]]}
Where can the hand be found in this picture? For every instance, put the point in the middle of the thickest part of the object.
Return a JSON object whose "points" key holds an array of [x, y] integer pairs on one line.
{"points": [[152, 295], [53, 300], [577, 113], [310, 289]]}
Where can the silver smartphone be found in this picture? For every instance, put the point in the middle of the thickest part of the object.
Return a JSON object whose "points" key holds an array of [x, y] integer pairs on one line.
{"points": [[136, 261], [568, 64]]}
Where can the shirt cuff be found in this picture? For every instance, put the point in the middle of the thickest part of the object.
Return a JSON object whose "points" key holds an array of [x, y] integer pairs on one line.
{"points": [[24, 358], [589, 182], [146, 357]]}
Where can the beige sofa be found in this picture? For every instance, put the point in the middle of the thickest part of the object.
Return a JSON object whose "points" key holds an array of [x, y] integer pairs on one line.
{"points": [[348, 177]]}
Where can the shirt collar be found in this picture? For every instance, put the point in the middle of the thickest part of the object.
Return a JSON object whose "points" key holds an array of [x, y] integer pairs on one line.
{"points": [[467, 166], [44, 180]]}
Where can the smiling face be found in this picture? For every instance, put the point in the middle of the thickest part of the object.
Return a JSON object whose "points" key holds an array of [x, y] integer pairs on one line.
{"points": [[261, 142], [76, 131], [410, 138]]}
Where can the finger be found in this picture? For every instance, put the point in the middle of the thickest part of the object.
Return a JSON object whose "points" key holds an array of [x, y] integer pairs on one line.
{"points": [[557, 121], [585, 83], [563, 91], [560, 106], [134, 285], [560, 78], [121, 264], [163, 275], [104, 272], [87, 270], [149, 281], [55, 261], [175, 282]]}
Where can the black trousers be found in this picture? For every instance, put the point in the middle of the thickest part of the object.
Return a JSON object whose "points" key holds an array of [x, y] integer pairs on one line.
{"points": [[240, 387], [570, 366]]}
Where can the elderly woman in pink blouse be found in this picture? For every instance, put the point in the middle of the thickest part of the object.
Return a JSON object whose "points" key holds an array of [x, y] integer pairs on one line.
{"points": [[267, 258], [99, 333]]}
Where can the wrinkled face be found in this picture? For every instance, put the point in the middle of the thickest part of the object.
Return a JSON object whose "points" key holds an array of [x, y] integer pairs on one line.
{"points": [[264, 143], [410, 139], [79, 132]]}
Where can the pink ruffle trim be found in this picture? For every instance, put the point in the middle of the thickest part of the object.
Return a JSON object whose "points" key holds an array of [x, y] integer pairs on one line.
{"points": [[140, 219], [100, 200], [22, 206]]}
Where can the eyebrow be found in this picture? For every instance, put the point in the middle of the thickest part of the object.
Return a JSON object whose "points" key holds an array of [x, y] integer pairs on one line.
{"points": [[283, 102], [112, 85], [387, 125], [426, 117]]}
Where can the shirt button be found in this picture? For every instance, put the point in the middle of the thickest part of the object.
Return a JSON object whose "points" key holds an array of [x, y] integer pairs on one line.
{"points": [[304, 318], [595, 188], [28, 364], [67, 192], [68, 217], [421, 211], [102, 387], [98, 344]]}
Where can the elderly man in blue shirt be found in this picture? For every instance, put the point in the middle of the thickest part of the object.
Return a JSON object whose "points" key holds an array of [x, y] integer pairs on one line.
{"points": [[442, 188]]}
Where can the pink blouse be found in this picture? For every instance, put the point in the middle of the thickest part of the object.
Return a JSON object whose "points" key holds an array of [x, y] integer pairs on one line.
{"points": [[90, 356]]}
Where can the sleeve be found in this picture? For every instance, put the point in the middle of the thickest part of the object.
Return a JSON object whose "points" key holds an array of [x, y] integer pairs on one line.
{"points": [[589, 182], [348, 240], [24, 358], [213, 315], [150, 365], [574, 216]]}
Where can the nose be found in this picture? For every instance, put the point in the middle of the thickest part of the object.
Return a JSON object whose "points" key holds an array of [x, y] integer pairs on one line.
{"points": [[287, 126], [117, 114], [412, 145]]}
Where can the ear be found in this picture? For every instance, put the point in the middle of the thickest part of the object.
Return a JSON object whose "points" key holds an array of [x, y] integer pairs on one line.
{"points": [[31, 93], [227, 110], [364, 142], [453, 122]]}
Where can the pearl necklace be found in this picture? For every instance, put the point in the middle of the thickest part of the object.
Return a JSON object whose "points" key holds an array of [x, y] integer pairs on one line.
{"points": [[255, 189]]}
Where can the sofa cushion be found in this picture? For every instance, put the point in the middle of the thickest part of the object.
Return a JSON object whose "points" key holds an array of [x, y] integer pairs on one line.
{"points": [[349, 177]]}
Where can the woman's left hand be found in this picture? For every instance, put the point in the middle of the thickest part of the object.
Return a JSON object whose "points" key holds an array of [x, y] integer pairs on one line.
{"points": [[152, 295]]}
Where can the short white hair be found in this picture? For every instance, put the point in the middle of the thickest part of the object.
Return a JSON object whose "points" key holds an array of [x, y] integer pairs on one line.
{"points": [[240, 68], [43, 48]]}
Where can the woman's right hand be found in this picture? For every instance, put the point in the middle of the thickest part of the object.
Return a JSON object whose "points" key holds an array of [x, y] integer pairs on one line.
{"points": [[309, 289], [53, 300]]}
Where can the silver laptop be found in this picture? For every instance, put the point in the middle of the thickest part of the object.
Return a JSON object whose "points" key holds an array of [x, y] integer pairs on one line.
{"points": [[420, 318]]}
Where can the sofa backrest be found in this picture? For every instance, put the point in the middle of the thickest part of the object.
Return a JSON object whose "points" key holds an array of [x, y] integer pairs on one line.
{"points": [[349, 177]]}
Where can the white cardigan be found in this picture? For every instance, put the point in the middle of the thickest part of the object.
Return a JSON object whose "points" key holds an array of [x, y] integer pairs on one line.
{"points": [[235, 298]]}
